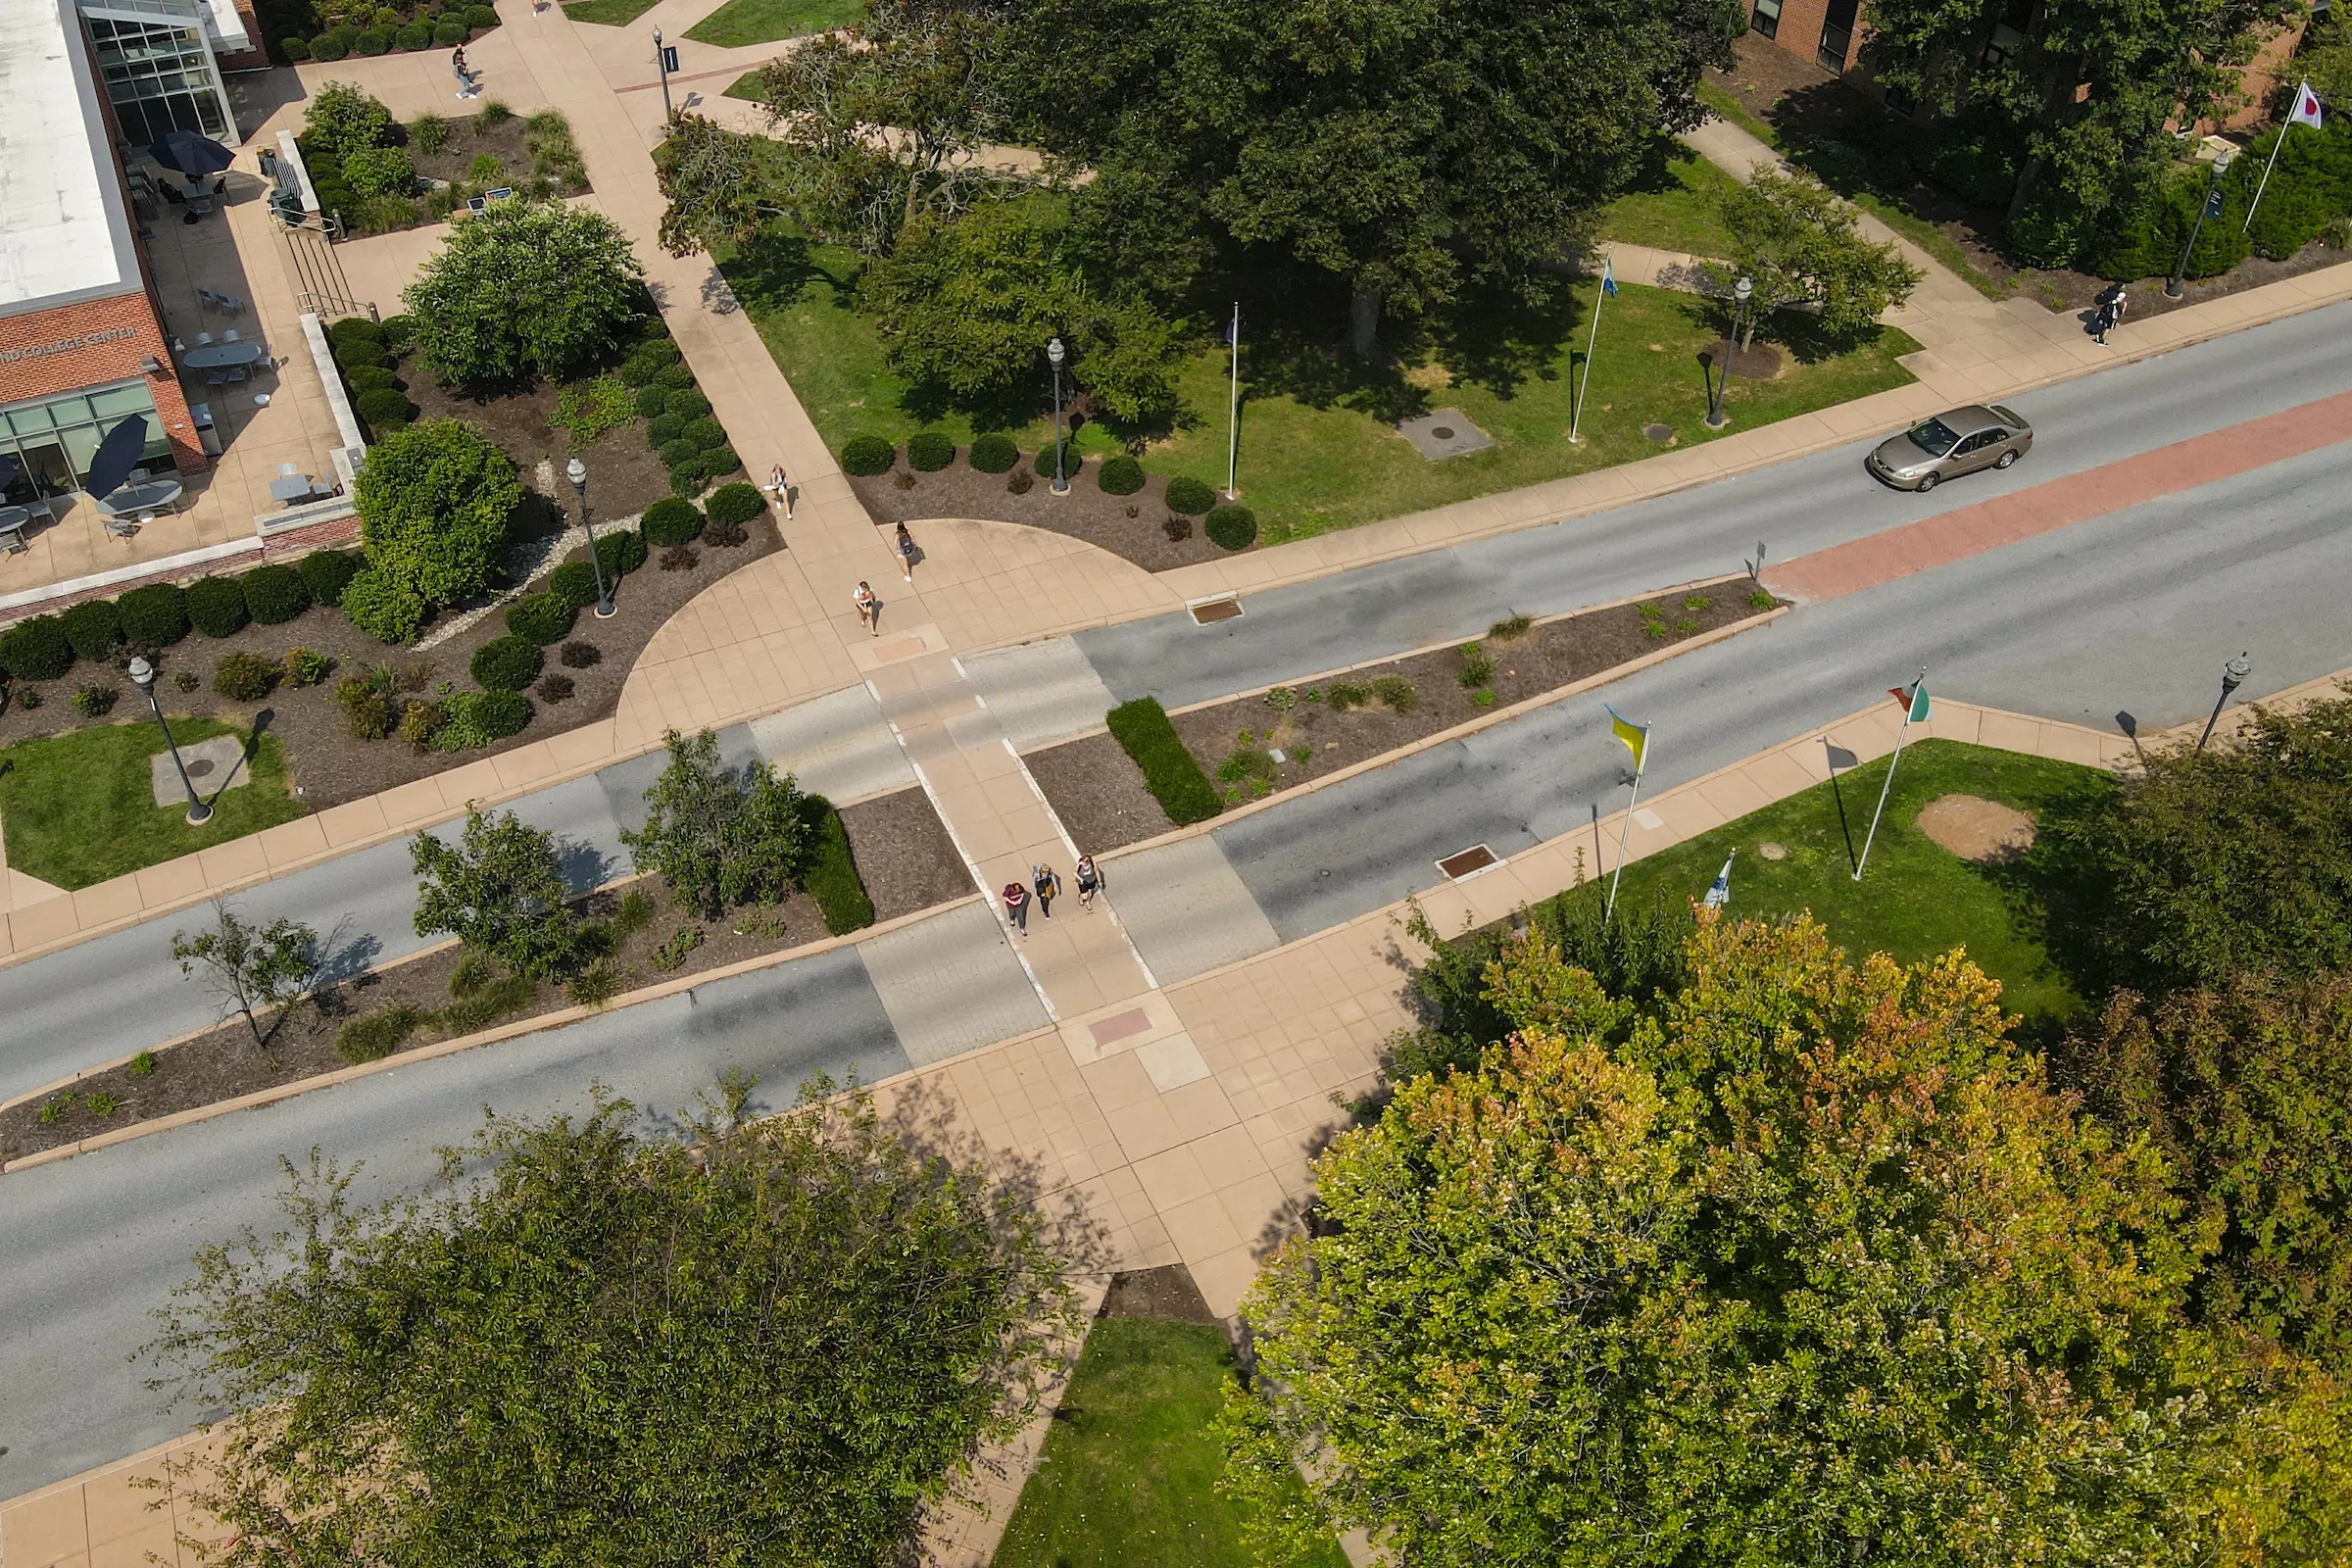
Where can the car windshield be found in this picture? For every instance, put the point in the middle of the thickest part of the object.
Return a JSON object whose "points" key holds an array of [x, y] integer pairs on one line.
{"points": [[1934, 437]]}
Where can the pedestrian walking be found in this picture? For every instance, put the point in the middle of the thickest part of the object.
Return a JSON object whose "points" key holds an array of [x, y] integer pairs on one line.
{"points": [[456, 66], [905, 552], [1090, 881], [780, 488], [1048, 886], [870, 608], [1016, 906]]}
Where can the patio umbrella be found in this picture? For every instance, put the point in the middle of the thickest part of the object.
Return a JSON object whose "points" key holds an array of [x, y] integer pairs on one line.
{"points": [[116, 455], [191, 152], [9, 468]]}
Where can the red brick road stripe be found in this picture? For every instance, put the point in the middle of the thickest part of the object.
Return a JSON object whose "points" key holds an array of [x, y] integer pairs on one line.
{"points": [[2095, 493]]}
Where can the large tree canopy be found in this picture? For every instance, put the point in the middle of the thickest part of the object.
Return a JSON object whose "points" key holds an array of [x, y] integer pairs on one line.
{"points": [[771, 1347], [1813, 1268], [524, 289], [1406, 146]]}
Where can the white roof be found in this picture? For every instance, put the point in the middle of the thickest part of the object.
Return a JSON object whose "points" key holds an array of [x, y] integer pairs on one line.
{"points": [[64, 233]]}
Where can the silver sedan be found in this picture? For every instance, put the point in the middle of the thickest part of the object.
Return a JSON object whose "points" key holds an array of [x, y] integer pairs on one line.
{"points": [[1955, 442]]}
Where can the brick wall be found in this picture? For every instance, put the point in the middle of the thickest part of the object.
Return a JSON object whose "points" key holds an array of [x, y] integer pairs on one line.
{"points": [[117, 359], [256, 58]]}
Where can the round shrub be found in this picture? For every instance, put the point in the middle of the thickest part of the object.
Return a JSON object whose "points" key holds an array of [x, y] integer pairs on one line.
{"points": [[994, 452], [370, 379], [720, 459], [1189, 496], [217, 607], [620, 550], [868, 455], [384, 409], [1121, 476], [326, 48], [1072, 461], [386, 609], [705, 433], [156, 616], [735, 503], [669, 522], [244, 678], [648, 361], [449, 31], [498, 714], [398, 332], [325, 572], [275, 593], [542, 617], [675, 376], [296, 50], [94, 627], [380, 171], [1232, 526], [506, 663], [415, 37], [481, 16], [573, 582], [650, 401], [356, 333], [676, 453], [928, 452], [368, 45], [690, 478], [36, 649], [664, 428], [688, 405]]}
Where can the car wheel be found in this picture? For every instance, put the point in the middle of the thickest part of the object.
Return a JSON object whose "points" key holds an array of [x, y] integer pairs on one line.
{"points": [[1927, 483], [2007, 458]]}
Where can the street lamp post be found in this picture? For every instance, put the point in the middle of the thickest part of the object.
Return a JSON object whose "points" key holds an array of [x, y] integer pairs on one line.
{"points": [[577, 473], [1740, 292], [142, 675], [661, 64], [2211, 209], [2233, 675], [1055, 357]]}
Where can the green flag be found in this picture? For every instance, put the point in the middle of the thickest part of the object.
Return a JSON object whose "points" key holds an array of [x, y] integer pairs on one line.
{"points": [[1914, 701]]}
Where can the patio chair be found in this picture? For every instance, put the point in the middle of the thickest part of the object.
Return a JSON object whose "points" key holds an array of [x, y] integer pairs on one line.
{"points": [[206, 300], [216, 377], [236, 375], [124, 527], [232, 304], [204, 340], [229, 336], [288, 470]]}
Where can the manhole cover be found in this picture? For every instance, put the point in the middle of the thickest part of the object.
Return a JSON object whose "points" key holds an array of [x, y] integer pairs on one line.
{"points": [[1477, 857], [1444, 432], [200, 768], [1660, 433], [1215, 610]]}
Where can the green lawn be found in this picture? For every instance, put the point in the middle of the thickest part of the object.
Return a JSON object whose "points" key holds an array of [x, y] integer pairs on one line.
{"points": [[745, 87], [1915, 898], [1130, 1467], [79, 807], [1318, 446], [607, 13], [747, 22], [1676, 205]]}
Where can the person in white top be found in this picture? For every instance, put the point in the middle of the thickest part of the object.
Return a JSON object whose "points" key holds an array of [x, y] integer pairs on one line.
{"points": [[870, 608]]}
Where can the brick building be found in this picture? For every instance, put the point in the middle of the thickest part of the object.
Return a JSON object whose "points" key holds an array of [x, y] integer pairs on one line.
{"points": [[83, 344]]}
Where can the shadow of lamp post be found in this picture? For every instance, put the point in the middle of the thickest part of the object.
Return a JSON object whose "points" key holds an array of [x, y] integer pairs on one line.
{"points": [[142, 675]]}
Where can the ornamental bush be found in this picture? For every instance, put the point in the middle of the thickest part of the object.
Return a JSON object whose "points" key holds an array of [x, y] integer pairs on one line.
{"points": [[275, 593], [366, 704], [1175, 780], [832, 877], [664, 428], [479, 719], [573, 582], [677, 451], [928, 452], [1189, 496], [994, 452], [415, 37], [481, 16], [688, 405], [543, 618], [620, 552], [675, 376], [735, 505], [669, 522], [448, 32], [155, 616], [380, 171], [506, 663], [384, 606], [526, 289], [385, 409], [868, 455], [720, 459], [434, 502], [244, 678], [1232, 526], [36, 649], [648, 361], [217, 607], [1121, 476], [325, 572], [690, 478], [368, 45], [705, 433], [370, 379], [650, 401], [94, 627], [326, 49]]}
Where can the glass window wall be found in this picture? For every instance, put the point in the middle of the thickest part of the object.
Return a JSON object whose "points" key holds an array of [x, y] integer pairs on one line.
{"points": [[54, 438], [159, 73]]}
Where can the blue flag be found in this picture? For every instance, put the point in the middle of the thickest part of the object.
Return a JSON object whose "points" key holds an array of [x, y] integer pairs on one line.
{"points": [[1608, 277], [1721, 893]]}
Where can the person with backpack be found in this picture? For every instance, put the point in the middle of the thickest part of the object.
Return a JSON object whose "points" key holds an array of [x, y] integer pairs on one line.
{"points": [[1090, 882], [1047, 887]]}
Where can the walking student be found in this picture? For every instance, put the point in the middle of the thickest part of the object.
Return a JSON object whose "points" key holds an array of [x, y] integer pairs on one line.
{"points": [[1016, 906], [870, 608], [905, 552], [1048, 886], [456, 66], [780, 488], [1090, 881]]}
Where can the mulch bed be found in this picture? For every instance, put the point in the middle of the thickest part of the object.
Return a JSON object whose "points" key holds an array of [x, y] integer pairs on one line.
{"points": [[625, 474], [905, 858], [1132, 527], [330, 767], [1098, 792], [468, 139]]}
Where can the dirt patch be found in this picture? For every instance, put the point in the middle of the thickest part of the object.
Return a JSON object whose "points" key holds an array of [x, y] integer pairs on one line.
{"points": [[1166, 1293], [960, 490], [890, 838], [1758, 361], [470, 138], [1975, 829], [1099, 794], [625, 474]]}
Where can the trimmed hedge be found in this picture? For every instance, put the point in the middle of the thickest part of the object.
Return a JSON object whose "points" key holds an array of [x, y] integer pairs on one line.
{"points": [[994, 452], [650, 401], [669, 522], [328, 573], [217, 607], [383, 609], [621, 553], [690, 478], [449, 30], [1232, 526], [648, 361], [663, 429], [867, 455], [1121, 476], [370, 379], [94, 627], [573, 582], [275, 593], [506, 663], [155, 616], [720, 459], [542, 619], [36, 649], [832, 879], [928, 452], [481, 16], [1073, 462], [1174, 780], [1189, 496], [385, 409], [705, 433], [675, 454], [735, 503], [676, 378]]}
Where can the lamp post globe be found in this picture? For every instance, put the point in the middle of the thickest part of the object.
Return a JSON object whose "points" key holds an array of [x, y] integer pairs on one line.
{"points": [[2233, 675], [577, 473], [142, 675], [1055, 354], [1741, 292], [2213, 197]]}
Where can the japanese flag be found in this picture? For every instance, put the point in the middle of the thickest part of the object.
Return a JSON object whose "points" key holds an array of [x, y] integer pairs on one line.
{"points": [[2307, 108]]}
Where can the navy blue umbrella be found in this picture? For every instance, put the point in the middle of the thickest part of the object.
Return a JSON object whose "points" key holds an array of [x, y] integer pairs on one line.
{"points": [[191, 152], [120, 453]]}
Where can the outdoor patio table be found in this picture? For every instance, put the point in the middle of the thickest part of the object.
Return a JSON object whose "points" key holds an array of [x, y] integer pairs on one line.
{"points": [[218, 355], [12, 527], [293, 488], [133, 499]]}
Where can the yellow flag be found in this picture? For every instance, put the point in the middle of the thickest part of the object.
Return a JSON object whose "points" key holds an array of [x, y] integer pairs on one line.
{"points": [[1635, 736]]}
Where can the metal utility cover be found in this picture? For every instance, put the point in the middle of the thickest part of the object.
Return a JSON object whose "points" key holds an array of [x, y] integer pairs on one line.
{"points": [[1211, 610], [1477, 857], [1447, 433]]}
